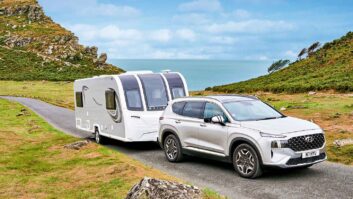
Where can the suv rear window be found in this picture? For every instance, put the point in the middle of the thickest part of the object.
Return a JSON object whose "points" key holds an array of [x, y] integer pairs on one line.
{"points": [[178, 107], [194, 109]]}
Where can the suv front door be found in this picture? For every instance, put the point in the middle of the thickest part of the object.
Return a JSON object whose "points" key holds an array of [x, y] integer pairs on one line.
{"points": [[213, 137]]}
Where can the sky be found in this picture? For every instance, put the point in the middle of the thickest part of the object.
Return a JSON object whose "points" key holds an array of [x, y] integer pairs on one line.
{"points": [[202, 29]]}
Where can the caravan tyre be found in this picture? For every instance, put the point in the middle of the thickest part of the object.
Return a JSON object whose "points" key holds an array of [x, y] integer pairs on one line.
{"points": [[98, 138], [172, 149]]}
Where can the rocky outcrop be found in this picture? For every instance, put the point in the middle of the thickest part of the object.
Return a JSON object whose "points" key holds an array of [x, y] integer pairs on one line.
{"points": [[17, 41], [33, 12], [149, 188], [60, 45]]}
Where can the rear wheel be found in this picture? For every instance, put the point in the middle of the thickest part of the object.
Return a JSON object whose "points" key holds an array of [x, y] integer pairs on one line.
{"points": [[172, 149], [98, 138], [246, 161]]}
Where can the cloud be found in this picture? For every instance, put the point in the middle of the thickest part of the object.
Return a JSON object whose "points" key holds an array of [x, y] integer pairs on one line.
{"points": [[191, 18], [161, 35], [240, 13], [250, 26], [113, 10], [201, 5], [186, 34], [290, 54], [90, 8], [222, 40], [89, 33]]}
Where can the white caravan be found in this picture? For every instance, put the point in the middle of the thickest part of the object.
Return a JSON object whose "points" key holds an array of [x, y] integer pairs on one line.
{"points": [[126, 107]]}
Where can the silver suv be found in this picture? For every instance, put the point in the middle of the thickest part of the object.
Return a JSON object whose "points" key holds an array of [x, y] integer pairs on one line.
{"points": [[241, 129]]}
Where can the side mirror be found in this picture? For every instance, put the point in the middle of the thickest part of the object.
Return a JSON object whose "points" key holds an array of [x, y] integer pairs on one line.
{"points": [[218, 120]]}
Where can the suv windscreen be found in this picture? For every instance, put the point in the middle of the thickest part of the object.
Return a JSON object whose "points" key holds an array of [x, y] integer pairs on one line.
{"points": [[250, 110], [193, 109], [212, 110]]}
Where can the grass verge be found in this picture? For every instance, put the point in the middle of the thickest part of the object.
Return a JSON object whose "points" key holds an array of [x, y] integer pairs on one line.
{"points": [[35, 164]]}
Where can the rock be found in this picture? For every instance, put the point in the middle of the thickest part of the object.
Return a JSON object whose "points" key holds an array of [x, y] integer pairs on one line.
{"points": [[50, 50], [312, 93], [91, 51], [343, 142], [17, 41], [77, 145], [282, 109], [32, 12], [149, 188], [102, 59]]}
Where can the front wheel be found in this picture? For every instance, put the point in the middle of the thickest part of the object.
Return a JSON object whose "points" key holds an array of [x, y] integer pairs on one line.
{"points": [[246, 161], [172, 149]]}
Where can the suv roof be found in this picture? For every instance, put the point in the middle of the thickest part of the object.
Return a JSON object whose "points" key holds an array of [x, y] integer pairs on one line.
{"points": [[224, 98]]}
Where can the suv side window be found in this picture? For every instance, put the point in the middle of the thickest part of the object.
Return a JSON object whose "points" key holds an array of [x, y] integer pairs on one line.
{"points": [[212, 110], [178, 107], [193, 109]]}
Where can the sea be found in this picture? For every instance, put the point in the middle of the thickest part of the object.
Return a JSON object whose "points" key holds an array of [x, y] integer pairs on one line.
{"points": [[200, 74]]}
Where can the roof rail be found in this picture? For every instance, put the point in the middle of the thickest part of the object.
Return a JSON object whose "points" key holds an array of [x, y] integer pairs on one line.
{"points": [[236, 95]]}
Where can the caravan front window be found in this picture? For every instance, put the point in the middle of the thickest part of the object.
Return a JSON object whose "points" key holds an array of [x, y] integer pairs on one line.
{"points": [[155, 91], [176, 84], [132, 93]]}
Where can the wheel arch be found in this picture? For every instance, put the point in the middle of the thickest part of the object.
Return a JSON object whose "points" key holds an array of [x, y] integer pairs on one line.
{"points": [[240, 140], [165, 134]]}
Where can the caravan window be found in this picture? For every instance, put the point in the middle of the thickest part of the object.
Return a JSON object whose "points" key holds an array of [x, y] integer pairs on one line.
{"points": [[132, 92], [175, 84], [155, 91], [79, 99], [110, 102]]}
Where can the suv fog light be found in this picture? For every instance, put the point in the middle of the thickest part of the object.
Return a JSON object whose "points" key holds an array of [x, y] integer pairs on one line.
{"points": [[279, 144]]}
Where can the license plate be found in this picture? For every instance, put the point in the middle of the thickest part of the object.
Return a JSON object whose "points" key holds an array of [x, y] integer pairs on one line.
{"points": [[309, 154]]}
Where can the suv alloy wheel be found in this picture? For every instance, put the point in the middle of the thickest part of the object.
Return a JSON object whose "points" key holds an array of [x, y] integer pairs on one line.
{"points": [[172, 149], [246, 161]]}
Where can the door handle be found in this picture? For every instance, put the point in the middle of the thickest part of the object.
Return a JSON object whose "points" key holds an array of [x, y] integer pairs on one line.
{"points": [[135, 116], [203, 125], [177, 121]]}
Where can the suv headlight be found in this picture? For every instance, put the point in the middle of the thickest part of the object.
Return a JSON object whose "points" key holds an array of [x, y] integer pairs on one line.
{"points": [[272, 135], [279, 144]]}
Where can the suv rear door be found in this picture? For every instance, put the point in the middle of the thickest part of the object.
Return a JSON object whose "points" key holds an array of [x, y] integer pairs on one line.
{"points": [[188, 122]]}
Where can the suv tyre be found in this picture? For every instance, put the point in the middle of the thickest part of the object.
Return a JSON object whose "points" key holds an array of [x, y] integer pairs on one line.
{"points": [[246, 161], [172, 149]]}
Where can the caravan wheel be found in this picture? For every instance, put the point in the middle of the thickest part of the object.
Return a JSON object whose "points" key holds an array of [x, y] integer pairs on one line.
{"points": [[99, 139]]}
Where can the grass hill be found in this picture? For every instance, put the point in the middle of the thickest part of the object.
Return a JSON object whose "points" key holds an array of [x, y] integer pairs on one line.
{"points": [[34, 47], [329, 68]]}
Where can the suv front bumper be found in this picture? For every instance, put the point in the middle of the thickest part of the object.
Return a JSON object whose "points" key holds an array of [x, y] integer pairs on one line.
{"points": [[287, 158]]}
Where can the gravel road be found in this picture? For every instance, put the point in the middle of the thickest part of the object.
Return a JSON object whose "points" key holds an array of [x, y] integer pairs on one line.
{"points": [[325, 180]]}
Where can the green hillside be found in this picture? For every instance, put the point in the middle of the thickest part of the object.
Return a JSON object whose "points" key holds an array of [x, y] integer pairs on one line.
{"points": [[33, 47], [329, 68]]}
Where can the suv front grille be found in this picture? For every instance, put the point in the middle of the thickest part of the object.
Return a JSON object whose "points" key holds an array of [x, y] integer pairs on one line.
{"points": [[296, 161], [306, 142]]}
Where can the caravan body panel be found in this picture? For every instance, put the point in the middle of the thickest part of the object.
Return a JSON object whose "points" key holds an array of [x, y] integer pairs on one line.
{"points": [[126, 107]]}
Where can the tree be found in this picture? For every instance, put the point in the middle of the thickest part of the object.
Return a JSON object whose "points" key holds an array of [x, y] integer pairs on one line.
{"points": [[301, 53], [313, 48], [277, 65]]}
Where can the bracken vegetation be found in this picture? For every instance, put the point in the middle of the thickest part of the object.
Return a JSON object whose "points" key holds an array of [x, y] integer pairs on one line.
{"points": [[328, 68]]}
